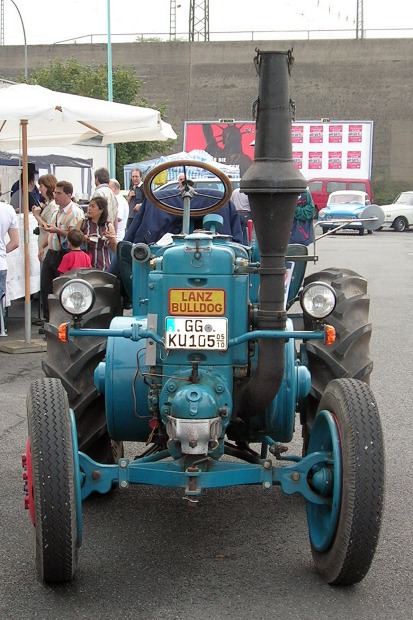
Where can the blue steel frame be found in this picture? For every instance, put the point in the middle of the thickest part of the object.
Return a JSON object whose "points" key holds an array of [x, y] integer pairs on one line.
{"points": [[136, 332], [96, 477], [194, 474]]}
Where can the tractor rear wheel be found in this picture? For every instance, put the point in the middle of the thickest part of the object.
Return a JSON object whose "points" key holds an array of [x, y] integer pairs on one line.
{"points": [[349, 356], [53, 481], [74, 362], [344, 531]]}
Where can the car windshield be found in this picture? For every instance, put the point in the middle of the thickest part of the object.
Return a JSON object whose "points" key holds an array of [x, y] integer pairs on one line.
{"points": [[405, 198], [345, 198]]}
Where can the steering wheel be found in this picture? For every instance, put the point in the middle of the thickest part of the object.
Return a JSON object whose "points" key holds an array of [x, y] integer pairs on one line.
{"points": [[191, 192]]}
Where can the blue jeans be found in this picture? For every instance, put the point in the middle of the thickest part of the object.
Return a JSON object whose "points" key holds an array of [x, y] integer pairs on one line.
{"points": [[244, 216], [3, 275]]}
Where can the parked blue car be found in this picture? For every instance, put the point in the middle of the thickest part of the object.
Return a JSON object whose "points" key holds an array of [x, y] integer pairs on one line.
{"points": [[344, 205]]}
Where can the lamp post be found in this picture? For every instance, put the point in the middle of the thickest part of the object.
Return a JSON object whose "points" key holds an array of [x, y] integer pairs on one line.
{"points": [[112, 170], [25, 42]]}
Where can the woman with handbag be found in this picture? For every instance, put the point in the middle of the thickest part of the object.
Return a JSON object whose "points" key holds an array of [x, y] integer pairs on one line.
{"points": [[99, 233]]}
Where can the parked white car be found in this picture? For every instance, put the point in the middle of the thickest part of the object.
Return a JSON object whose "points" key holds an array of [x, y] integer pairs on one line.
{"points": [[399, 215], [344, 205]]}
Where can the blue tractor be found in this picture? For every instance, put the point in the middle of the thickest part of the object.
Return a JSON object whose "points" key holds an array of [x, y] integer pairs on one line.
{"points": [[214, 370]]}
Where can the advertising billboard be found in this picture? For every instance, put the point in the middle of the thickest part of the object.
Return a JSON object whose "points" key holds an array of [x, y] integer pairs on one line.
{"points": [[322, 149]]}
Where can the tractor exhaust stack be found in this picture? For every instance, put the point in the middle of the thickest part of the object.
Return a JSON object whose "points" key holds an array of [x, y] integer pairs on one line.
{"points": [[272, 184]]}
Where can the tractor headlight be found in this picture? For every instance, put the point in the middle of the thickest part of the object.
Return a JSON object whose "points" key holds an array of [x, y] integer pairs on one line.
{"points": [[77, 297], [318, 300]]}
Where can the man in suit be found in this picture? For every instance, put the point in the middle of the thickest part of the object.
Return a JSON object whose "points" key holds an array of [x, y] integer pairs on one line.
{"points": [[150, 223]]}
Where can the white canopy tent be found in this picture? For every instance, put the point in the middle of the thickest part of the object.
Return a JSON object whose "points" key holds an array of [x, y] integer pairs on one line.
{"points": [[57, 119], [31, 115]]}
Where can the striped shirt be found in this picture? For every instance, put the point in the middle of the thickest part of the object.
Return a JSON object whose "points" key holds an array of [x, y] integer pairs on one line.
{"points": [[69, 217]]}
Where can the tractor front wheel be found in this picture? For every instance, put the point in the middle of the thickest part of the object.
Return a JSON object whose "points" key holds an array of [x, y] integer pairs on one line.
{"points": [[74, 362], [349, 355], [53, 481], [344, 531]]}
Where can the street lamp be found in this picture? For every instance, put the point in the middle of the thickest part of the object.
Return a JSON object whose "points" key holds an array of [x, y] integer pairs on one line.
{"points": [[25, 42], [110, 92]]}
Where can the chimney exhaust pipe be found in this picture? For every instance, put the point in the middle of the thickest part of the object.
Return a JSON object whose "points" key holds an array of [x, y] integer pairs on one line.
{"points": [[272, 184]]}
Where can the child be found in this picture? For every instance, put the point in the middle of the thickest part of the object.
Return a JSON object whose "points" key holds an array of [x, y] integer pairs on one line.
{"points": [[76, 258]]}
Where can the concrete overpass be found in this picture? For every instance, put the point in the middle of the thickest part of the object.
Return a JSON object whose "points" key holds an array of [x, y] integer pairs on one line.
{"points": [[364, 79]]}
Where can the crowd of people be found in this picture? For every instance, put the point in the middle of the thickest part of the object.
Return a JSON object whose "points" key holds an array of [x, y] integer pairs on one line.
{"points": [[70, 238]]}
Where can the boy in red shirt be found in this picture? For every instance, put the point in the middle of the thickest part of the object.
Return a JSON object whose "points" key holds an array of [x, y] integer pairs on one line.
{"points": [[76, 258]]}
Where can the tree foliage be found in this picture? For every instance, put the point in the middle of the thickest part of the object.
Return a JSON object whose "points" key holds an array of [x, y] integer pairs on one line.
{"points": [[92, 81]]}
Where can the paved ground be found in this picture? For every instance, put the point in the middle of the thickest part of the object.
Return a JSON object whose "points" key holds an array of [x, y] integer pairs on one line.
{"points": [[242, 553]]}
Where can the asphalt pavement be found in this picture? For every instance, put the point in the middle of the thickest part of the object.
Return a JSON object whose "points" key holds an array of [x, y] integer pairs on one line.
{"points": [[242, 553]]}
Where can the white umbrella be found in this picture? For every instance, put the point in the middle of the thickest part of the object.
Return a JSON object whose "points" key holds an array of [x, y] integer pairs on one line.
{"points": [[60, 119], [31, 115]]}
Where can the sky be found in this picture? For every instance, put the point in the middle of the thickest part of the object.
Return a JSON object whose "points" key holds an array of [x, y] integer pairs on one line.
{"points": [[46, 22]]}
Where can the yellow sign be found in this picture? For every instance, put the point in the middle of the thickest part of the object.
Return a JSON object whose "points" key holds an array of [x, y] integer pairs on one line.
{"points": [[196, 302], [161, 178]]}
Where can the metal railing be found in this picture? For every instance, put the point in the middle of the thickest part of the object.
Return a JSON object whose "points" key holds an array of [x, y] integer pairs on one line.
{"points": [[242, 35]]}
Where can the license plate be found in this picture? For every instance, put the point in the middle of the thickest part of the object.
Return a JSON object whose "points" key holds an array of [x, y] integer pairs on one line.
{"points": [[196, 333]]}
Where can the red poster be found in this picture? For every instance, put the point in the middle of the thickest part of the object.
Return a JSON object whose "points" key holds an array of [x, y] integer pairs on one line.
{"points": [[316, 133], [355, 133], [297, 134], [315, 160], [228, 143], [354, 160], [335, 133], [298, 159], [335, 160]]}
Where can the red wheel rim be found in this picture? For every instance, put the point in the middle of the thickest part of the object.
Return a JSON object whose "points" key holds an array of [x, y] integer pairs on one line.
{"points": [[28, 478]]}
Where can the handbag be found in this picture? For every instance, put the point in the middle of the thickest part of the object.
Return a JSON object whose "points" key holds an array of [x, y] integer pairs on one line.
{"points": [[64, 244]]}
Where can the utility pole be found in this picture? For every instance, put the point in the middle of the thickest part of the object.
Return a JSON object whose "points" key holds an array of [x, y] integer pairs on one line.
{"points": [[360, 34], [172, 20], [199, 20]]}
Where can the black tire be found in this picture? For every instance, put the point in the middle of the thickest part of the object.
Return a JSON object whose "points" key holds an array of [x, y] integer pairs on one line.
{"points": [[399, 224], [74, 362], [361, 231], [324, 230], [349, 557], [54, 490], [349, 356]]}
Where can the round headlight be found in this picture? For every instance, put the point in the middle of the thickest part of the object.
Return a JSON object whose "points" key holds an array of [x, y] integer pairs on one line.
{"points": [[77, 297], [318, 299], [322, 214]]}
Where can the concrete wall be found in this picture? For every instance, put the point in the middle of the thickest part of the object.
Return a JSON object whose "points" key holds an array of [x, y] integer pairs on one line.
{"points": [[368, 79]]}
